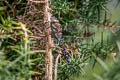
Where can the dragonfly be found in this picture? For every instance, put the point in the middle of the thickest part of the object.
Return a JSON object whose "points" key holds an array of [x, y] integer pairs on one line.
{"points": [[56, 29]]}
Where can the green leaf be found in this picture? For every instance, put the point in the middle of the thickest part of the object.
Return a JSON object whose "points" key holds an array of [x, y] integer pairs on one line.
{"points": [[2, 20]]}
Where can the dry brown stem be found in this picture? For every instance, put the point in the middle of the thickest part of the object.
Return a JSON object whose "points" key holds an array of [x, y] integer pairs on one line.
{"points": [[49, 58], [56, 66]]}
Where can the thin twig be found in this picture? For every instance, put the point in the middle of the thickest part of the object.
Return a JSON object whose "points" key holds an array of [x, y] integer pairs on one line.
{"points": [[56, 65]]}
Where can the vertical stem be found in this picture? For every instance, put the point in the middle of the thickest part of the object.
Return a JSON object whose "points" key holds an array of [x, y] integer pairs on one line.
{"points": [[56, 66], [26, 41], [49, 42]]}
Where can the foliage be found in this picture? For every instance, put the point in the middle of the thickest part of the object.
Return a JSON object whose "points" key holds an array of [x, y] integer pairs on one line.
{"points": [[87, 13], [18, 60], [88, 44]]}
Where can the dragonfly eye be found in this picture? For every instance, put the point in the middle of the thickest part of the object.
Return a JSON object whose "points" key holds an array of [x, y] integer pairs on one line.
{"points": [[59, 36]]}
